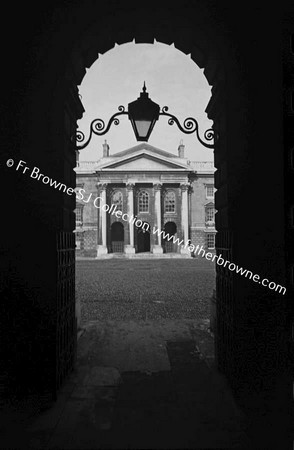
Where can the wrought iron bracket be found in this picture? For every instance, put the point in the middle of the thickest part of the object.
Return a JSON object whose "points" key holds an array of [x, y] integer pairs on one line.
{"points": [[190, 126], [98, 127]]}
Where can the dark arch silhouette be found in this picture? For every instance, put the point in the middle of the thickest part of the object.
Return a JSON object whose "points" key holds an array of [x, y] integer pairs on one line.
{"points": [[45, 66], [208, 49], [198, 38]]}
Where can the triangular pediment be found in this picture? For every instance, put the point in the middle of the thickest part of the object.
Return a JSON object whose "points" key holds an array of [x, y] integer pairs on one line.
{"points": [[147, 148], [144, 160]]}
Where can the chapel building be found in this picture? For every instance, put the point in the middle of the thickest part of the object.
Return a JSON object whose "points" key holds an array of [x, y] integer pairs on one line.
{"points": [[146, 190]]}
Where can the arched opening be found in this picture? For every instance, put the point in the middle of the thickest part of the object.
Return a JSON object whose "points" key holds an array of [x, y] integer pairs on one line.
{"points": [[143, 240], [117, 237], [170, 229], [157, 282]]}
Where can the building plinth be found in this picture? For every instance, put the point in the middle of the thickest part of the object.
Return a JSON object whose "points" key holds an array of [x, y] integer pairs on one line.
{"points": [[129, 250], [157, 249], [101, 250], [185, 251]]}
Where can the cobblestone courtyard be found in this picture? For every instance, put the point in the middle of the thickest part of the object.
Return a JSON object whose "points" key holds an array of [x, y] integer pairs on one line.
{"points": [[121, 289]]}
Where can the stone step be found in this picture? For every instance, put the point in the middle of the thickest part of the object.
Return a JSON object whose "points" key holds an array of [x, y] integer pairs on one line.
{"points": [[143, 255]]}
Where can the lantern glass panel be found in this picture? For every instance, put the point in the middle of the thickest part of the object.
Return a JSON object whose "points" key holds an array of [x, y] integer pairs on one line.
{"points": [[142, 127]]}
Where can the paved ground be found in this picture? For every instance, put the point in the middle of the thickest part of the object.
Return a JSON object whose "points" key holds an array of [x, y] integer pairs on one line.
{"points": [[145, 289]]}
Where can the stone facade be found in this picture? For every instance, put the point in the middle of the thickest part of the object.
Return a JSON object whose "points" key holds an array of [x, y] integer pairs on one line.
{"points": [[144, 189]]}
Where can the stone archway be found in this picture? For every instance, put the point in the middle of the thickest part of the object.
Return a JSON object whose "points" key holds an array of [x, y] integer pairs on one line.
{"points": [[207, 52], [251, 321]]}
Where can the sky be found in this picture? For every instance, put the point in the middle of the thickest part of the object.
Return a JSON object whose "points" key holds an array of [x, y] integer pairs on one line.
{"points": [[172, 79]]}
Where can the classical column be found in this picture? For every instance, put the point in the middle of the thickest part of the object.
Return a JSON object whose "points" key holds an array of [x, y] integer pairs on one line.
{"points": [[130, 248], [157, 248], [190, 190], [102, 245], [99, 217], [185, 216]]}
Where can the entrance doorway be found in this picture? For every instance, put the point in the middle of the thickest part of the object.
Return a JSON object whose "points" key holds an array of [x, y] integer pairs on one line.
{"points": [[117, 237], [170, 229], [143, 240]]}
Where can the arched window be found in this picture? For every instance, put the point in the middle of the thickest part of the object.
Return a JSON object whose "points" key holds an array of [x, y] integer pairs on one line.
{"points": [[143, 202], [117, 199], [170, 202]]}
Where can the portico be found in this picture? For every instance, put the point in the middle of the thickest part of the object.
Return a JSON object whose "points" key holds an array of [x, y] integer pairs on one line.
{"points": [[142, 186], [142, 211]]}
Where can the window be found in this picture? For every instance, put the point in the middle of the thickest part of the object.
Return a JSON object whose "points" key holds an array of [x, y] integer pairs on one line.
{"points": [[117, 199], [170, 202], [79, 214], [210, 240], [209, 214], [143, 205], [209, 191]]}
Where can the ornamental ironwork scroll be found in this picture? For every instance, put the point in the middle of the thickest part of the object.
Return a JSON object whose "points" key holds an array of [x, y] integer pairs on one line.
{"points": [[189, 126], [98, 128]]}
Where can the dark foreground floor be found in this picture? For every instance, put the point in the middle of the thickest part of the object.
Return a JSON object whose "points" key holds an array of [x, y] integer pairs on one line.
{"points": [[145, 375], [121, 289], [142, 385]]}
